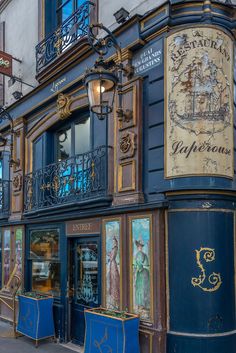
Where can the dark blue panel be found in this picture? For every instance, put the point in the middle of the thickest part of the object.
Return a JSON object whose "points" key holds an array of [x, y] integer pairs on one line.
{"points": [[156, 91], [50, 16], [179, 344], [155, 159], [156, 114], [99, 131], [155, 181], [156, 137], [38, 153], [193, 309]]}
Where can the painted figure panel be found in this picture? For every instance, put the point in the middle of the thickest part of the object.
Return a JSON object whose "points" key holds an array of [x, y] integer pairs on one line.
{"points": [[141, 267], [112, 265]]}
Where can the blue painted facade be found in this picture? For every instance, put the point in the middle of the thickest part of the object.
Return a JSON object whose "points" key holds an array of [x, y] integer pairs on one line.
{"points": [[189, 316]]}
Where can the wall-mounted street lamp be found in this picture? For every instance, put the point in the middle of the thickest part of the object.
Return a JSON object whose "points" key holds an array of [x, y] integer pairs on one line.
{"points": [[4, 115], [105, 78]]}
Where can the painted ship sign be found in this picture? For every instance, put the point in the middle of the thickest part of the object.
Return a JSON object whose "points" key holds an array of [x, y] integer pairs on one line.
{"points": [[199, 111]]}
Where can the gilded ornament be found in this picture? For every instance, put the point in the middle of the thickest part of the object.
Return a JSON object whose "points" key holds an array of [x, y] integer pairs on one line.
{"points": [[214, 279], [17, 182], [63, 106]]}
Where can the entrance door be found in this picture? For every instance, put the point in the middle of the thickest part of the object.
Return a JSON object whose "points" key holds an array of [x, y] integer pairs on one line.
{"points": [[86, 283]]}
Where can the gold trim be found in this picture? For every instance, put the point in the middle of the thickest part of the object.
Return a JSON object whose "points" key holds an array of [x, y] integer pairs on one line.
{"points": [[200, 192], [163, 8], [130, 219], [158, 33], [190, 4], [150, 334], [104, 221], [201, 210], [133, 90], [93, 311], [179, 29], [133, 176], [43, 19]]}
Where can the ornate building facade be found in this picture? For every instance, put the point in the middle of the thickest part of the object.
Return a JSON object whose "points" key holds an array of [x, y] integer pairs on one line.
{"points": [[135, 211]]}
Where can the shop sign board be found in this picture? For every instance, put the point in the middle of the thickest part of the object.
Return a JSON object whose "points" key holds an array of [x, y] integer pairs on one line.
{"points": [[199, 103], [89, 226], [147, 58], [5, 64]]}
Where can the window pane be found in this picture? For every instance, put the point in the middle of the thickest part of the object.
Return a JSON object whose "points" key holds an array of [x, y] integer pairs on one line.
{"points": [[18, 251], [64, 144], [87, 273], [46, 277], [82, 136], [0, 169], [44, 244], [6, 256], [64, 10]]}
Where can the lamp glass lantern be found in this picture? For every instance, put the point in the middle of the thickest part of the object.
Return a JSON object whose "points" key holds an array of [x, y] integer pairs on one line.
{"points": [[101, 87]]}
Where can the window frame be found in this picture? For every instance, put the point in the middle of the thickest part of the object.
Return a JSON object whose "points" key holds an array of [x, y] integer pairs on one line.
{"points": [[71, 124]]}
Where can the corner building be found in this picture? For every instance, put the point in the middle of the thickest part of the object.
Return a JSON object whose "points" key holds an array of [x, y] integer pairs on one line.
{"points": [[134, 213]]}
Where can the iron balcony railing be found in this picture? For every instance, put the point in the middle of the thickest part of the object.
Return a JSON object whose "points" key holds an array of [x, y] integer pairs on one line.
{"points": [[76, 179], [72, 29], [4, 198]]}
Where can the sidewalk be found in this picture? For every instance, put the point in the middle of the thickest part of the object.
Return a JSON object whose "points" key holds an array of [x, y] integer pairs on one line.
{"points": [[9, 344]]}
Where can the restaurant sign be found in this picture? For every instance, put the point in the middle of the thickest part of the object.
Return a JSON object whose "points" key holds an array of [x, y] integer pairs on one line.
{"points": [[5, 64], [199, 110]]}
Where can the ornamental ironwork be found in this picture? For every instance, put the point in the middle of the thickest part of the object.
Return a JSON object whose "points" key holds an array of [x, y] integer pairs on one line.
{"points": [[73, 29], [75, 179]]}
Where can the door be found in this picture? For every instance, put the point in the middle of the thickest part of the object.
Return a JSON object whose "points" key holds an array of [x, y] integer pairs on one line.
{"points": [[86, 283]]}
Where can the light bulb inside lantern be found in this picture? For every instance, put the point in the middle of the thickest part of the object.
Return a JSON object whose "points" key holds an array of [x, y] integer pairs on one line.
{"points": [[100, 89]]}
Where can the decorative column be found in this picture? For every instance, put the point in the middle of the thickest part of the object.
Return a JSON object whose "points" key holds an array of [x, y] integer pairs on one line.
{"points": [[199, 144]]}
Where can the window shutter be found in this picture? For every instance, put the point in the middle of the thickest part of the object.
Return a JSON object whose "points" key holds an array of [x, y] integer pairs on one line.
{"points": [[2, 47]]}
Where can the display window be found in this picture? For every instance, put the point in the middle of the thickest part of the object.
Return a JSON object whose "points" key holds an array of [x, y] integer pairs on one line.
{"points": [[45, 264], [12, 255]]}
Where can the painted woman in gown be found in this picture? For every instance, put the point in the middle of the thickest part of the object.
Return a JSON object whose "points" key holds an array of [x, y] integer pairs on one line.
{"points": [[114, 276], [142, 282]]}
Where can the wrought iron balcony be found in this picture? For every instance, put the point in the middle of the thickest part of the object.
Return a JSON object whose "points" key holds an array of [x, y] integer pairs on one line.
{"points": [[4, 198], [73, 29], [78, 179]]}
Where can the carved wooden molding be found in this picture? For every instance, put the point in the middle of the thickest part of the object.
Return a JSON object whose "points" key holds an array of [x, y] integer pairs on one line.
{"points": [[127, 144]]}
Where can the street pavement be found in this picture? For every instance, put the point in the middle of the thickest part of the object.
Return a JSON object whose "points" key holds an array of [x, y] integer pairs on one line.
{"points": [[9, 344]]}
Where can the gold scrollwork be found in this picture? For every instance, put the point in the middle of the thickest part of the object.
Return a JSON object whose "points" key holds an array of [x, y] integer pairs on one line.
{"points": [[102, 345], [214, 278]]}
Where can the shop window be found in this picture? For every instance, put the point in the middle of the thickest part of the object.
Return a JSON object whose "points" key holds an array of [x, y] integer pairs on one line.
{"points": [[12, 255], [44, 256], [6, 257]]}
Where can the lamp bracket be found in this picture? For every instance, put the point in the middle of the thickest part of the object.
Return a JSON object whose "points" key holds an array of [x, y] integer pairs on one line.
{"points": [[102, 45], [124, 115], [16, 163], [4, 115]]}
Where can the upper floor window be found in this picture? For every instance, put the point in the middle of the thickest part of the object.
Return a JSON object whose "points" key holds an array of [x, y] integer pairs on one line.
{"points": [[73, 139], [57, 12], [66, 8]]}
